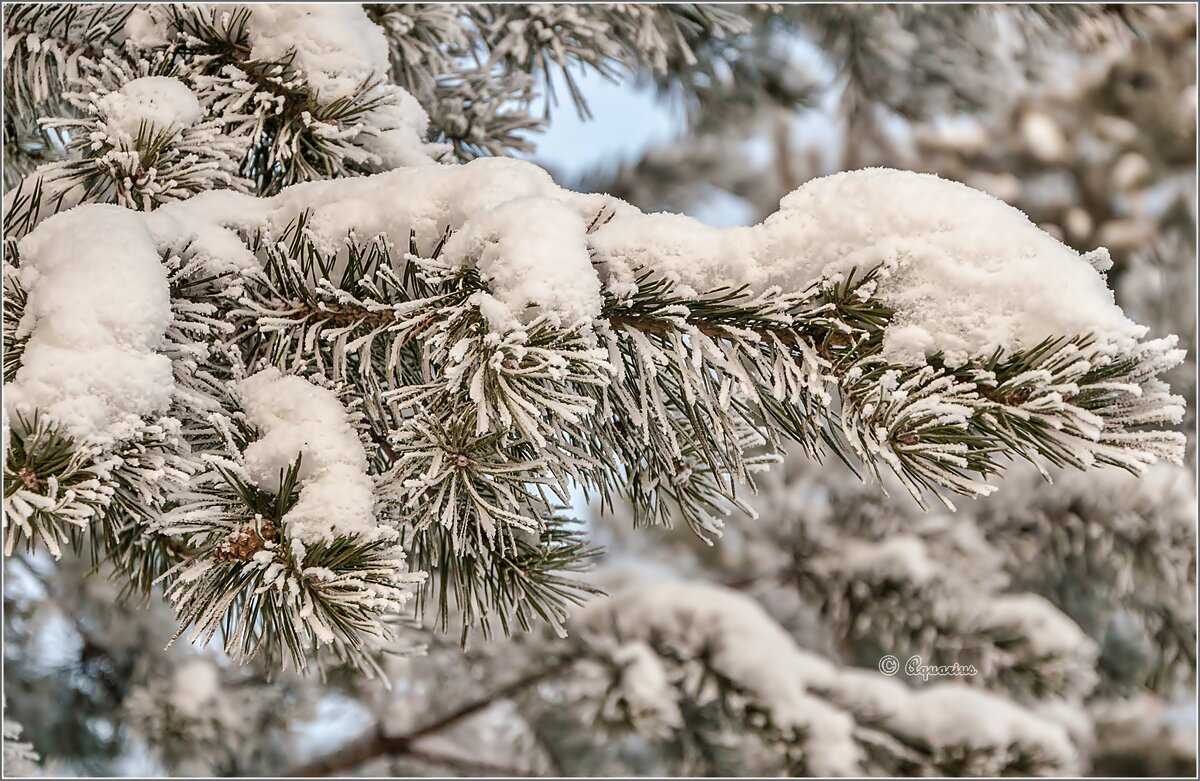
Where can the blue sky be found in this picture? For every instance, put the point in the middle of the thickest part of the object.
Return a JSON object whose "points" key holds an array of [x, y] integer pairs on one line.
{"points": [[625, 121]]}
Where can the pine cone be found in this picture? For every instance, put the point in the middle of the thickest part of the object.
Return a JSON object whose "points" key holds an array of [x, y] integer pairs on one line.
{"points": [[248, 539]]}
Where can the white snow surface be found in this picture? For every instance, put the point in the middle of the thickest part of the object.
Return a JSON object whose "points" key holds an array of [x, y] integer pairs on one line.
{"points": [[402, 124], [299, 418], [964, 272], [335, 45], [97, 314], [533, 254], [161, 103], [900, 556], [949, 714], [144, 28]]}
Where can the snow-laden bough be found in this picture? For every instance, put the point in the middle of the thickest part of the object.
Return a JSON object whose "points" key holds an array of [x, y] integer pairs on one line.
{"points": [[662, 639], [502, 339], [945, 321]]}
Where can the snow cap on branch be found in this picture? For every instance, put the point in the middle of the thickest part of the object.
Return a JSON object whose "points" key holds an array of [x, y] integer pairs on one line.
{"points": [[334, 45], [158, 103], [533, 254], [300, 419], [97, 315], [965, 273]]}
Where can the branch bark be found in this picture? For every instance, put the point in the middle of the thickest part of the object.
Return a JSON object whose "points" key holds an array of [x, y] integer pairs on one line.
{"points": [[374, 743]]}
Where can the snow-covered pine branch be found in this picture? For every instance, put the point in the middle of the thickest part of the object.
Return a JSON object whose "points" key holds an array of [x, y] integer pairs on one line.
{"points": [[695, 670], [506, 338], [1106, 623], [883, 574], [300, 409], [1123, 557], [158, 103], [285, 552], [654, 650]]}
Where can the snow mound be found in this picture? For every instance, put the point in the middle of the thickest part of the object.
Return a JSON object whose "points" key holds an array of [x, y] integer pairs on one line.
{"points": [[965, 272], [335, 45], [1047, 629], [533, 254], [300, 419], [160, 103], [97, 313]]}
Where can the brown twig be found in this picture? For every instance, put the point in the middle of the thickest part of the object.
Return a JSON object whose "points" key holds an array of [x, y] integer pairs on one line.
{"points": [[374, 743]]}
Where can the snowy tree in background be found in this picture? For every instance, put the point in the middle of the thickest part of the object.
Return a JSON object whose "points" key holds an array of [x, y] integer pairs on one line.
{"points": [[303, 373]]}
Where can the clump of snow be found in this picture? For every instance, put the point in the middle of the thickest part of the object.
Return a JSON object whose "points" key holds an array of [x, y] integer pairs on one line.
{"points": [[533, 253], [1128, 520], [300, 419], [221, 250], [1047, 629], [900, 556], [399, 127], [966, 273], [97, 314], [145, 28], [335, 46], [953, 714], [158, 103]]}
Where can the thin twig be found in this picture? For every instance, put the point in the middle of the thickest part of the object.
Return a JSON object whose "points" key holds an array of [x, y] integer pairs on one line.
{"points": [[374, 743]]}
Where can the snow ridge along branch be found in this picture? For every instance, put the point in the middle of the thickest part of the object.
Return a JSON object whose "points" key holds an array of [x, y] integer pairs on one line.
{"points": [[496, 339]]}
